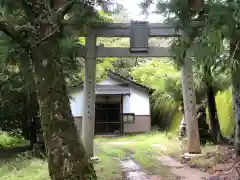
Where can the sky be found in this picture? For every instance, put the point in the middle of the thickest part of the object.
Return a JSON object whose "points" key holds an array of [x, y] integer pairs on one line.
{"points": [[134, 11]]}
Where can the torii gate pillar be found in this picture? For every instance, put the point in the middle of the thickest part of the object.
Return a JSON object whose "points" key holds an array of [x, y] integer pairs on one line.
{"points": [[88, 122]]}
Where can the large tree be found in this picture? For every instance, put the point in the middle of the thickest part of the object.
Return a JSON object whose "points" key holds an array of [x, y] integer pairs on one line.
{"points": [[37, 27], [220, 26], [205, 45]]}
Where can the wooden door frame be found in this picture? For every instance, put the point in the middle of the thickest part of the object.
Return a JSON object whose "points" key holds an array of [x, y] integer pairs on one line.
{"points": [[121, 116]]}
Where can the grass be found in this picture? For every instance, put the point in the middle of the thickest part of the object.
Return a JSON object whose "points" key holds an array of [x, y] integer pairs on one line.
{"points": [[23, 168], [109, 166], [149, 163], [27, 168], [142, 151]]}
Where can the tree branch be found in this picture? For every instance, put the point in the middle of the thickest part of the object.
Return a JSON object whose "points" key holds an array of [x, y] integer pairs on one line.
{"points": [[34, 7], [11, 31], [25, 28], [64, 9]]}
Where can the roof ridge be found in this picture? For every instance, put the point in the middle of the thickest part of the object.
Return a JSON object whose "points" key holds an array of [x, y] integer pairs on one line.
{"points": [[110, 72]]}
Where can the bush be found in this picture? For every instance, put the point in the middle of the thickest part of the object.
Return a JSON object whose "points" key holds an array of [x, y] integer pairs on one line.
{"points": [[163, 110], [225, 112], [6, 140], [177, 117]]}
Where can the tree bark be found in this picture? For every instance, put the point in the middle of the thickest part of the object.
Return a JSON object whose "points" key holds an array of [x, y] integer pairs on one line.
{"points": [[236, 92], [212, 109], [67, 158]]}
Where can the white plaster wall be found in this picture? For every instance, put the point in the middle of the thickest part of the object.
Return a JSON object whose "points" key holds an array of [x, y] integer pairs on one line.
{"points": [[76, 103], [137, 103], [76, 97], [126, 104]]}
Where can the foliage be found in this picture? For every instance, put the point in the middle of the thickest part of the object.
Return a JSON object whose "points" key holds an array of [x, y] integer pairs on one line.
{"points": [[160, 74], [205, 44], [225, 112], [7, 140], [174, 127], [14, 88], [17, 82]]}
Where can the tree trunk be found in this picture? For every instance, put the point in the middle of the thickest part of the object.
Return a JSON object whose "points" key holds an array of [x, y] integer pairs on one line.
{"points": [[190, 107], [234, 113], [67, 158], [212, 109], [214, 123], [33, 116], [31, 101], [236, 92]]}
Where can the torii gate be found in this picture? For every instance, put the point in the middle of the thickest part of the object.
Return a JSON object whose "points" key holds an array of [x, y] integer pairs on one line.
{"points": [[139, 32]]}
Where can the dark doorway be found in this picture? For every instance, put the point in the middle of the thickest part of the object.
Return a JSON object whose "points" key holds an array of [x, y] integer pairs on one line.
{"points": [[107, 118]]}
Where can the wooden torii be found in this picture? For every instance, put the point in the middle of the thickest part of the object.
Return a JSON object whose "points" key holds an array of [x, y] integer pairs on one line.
{"points": [[139, 32]]}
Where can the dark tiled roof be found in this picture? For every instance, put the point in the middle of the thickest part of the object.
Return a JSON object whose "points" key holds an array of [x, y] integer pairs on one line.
{"points": [[116, 76], [120, 78], [112, 89]]}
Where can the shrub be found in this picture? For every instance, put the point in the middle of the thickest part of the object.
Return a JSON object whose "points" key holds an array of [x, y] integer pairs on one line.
{"points": [[225, 112], [6, 140], [177, 117]]}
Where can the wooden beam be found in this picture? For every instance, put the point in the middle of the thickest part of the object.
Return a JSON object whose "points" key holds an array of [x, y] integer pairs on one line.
{"points": [[124, 52], [123, 30]]}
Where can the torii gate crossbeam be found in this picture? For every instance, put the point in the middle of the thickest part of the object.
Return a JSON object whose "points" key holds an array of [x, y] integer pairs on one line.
{"points": [[124, 30]]}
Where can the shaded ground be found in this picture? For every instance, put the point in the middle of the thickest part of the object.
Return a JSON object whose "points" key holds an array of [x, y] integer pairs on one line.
{"points": [[220, 163], [181, 170], [12, 151]]}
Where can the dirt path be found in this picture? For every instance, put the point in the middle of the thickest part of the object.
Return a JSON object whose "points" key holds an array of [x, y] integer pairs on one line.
{"points": [[132, 171], [179, 169]]}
